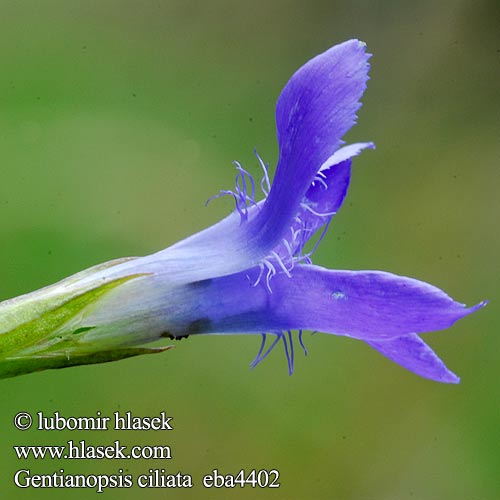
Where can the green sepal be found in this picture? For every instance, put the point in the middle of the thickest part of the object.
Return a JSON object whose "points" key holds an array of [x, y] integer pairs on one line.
{"points": [[20, 366], [38, 337]]}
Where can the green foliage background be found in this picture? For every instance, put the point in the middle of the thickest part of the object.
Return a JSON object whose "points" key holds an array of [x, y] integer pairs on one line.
{"points": [[118, 119]]}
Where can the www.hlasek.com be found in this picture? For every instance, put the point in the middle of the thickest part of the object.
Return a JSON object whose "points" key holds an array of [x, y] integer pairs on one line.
{"points": [[82, 450]]}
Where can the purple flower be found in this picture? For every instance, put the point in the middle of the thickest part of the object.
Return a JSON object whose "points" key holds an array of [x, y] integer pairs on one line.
{"points": [[251, 272]]}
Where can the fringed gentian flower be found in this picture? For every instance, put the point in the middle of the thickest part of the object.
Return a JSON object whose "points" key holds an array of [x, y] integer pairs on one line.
{"points": [[251, 272]]}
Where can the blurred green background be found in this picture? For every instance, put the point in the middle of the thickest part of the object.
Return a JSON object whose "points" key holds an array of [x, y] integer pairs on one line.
{"points": [[118, 119]]}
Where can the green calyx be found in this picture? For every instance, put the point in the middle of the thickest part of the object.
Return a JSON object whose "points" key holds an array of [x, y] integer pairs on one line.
{"points": [[34, 333]]}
